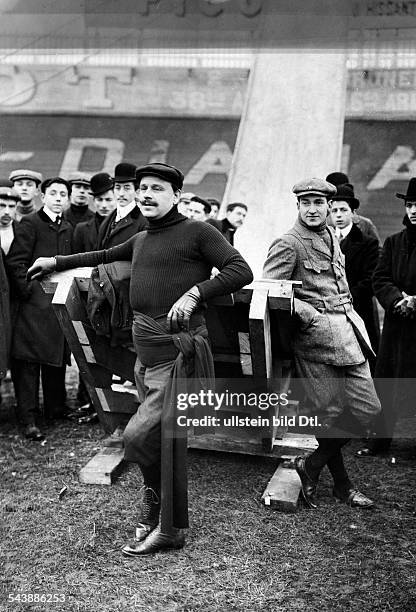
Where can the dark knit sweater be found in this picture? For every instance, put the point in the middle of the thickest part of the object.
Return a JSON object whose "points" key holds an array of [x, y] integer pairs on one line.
{"points": [[170, 258]]}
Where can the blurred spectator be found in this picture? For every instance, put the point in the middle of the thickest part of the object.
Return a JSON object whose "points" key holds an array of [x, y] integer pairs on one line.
{"points": [[198, 209], [234, 218], [86, 233], [364, 223], [361, 257], [126, 220], [9, 199], [184, 201], [394, 284], [38, 343], [215, 207], [26, 183], [78, 211]]}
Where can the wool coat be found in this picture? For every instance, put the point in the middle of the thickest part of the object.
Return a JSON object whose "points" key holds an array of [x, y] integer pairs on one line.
{"points": [[361, 258], [37, 335], [330, 331], [396, 360], [85, 236], [110, 235], [5, 326]]}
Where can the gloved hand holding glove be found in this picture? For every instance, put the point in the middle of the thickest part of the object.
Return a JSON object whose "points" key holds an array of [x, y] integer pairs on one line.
{"points": [[41, 267], [180, 313]]}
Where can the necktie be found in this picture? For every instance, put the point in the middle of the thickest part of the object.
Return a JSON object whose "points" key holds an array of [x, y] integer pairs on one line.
{"points": [[58, 219]]}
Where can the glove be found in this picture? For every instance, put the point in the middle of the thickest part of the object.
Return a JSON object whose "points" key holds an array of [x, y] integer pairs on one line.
{"points": [[41, 267], [180, 313]]}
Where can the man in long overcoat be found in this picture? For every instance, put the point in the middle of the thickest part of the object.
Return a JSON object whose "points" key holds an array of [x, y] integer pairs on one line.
{"points": [[38, 344], [394, 284], [331, 344], [361, 257]]}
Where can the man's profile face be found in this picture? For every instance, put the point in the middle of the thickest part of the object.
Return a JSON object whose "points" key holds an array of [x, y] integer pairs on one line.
{"points": [[411, 210], [105, 203], [156, 197], [196, 211], [7, 211], [236, 216], [27, 189], [124, 193], [313, 209], [214, 211], [341, 213], [79, 194], [55, 197]]}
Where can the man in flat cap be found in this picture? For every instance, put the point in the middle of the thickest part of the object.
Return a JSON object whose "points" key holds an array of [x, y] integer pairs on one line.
{"points": [[26, 183], [38, 347], [79, 211], [126, 220], [170, 283], [330, 344]]}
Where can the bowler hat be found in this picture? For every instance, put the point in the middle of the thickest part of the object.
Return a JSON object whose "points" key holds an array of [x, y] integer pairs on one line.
{"points": [[8, 193], [411, 191], [17, 175], [125, 173], [168, 173], [337, 178], [100, 183], [79, 178], [314, 186], [346, 194]]}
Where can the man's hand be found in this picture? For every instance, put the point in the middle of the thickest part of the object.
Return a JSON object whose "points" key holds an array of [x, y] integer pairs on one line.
{"points": [[180, 313], [41, 267], [406, 307]]}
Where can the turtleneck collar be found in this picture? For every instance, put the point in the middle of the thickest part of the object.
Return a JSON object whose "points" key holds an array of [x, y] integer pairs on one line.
{"points": [[171, 218]]}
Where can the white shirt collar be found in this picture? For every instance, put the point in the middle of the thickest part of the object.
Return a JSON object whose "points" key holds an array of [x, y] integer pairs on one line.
{"points": [[52, 216], [341, 233], [123, 211]]}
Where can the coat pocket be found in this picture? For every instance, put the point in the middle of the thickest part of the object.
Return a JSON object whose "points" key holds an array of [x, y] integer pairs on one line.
{"points": [[316, 266]]}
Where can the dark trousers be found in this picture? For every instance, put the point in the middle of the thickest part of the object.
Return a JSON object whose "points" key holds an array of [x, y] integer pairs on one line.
{"points": [[26, 376]]}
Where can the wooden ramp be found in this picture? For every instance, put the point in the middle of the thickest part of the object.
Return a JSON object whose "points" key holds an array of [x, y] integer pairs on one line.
{"points": [[250, 334]]}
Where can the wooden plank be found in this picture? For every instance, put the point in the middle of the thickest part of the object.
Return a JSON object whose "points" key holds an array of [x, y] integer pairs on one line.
{"points": [[245, 353], [103, 467], [282, 491], [290, 445], [80, 331], [260, 341]]}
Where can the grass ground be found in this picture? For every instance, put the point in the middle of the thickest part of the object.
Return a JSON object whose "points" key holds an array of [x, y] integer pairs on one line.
{"points": [[240, 555]]}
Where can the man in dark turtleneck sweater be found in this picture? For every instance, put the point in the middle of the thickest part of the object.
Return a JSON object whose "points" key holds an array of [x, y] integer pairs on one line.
{"points": [[331, 343], [26, 183], [394, 285], [78, 211], [170, 283]]}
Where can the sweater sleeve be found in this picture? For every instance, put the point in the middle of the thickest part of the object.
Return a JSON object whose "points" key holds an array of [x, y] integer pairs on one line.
{"points": [[385, 290], [121, 252], [235, 272]]}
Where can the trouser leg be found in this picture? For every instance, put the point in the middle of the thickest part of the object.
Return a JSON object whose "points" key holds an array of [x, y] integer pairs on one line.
{"points": [[54, 392], [25, 376]]}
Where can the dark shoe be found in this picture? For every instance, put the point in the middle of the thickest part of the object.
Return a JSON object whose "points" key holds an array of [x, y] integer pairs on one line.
{"points": [[353, 498], [154, 542], [309, 485], [31, 432]]}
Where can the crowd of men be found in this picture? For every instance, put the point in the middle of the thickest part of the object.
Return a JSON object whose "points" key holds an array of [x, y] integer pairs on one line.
{"points": [[181, 255]]}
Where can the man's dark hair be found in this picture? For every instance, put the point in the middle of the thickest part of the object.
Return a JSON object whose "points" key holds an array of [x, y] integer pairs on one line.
{"points": [[206, 205], [214, 202], [233, 205], [57, 179]]}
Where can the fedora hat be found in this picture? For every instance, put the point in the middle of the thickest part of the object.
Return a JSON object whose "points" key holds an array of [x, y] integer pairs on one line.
{"points": [[100, 183], [411, 191], [125, 173], [346, 194]]}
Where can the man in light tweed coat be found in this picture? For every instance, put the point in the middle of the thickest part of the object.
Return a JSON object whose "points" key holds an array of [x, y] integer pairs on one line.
{"points": [[330, 345]]}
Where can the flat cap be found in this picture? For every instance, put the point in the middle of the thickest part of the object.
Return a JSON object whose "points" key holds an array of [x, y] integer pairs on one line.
{"points": [[17, 175], [9, 193], [314, 186], [168, 173], [79, 178]]}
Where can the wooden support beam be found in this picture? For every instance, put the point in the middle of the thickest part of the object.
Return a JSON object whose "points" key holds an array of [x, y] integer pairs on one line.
{"points": [[103, 467], [282, 491]]}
